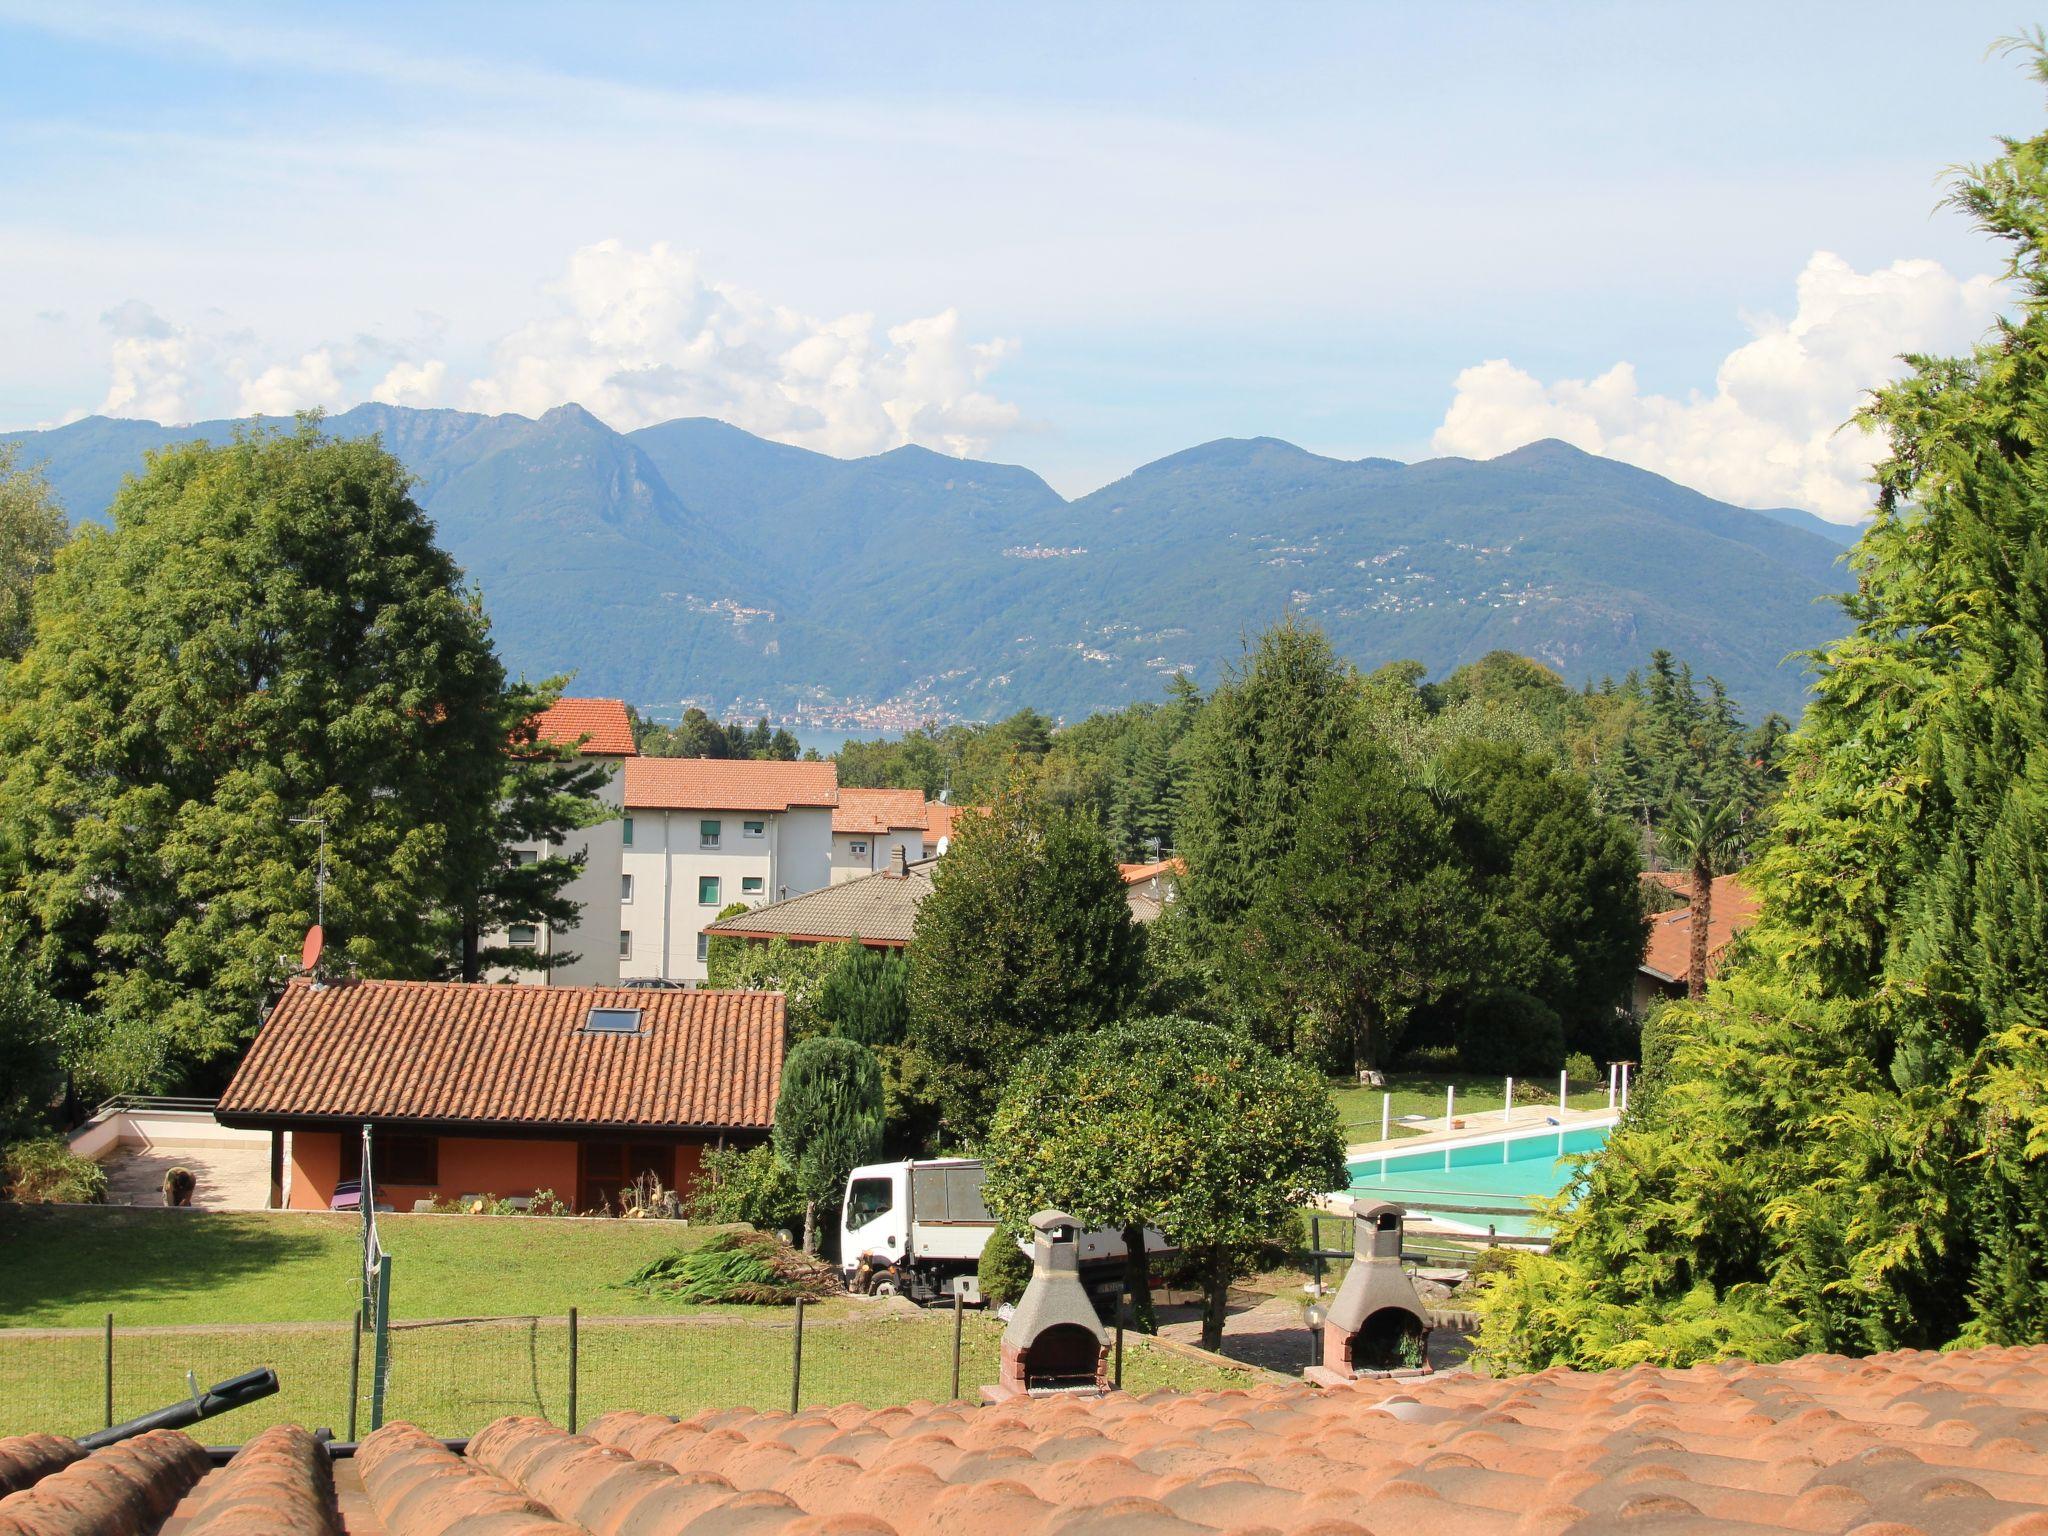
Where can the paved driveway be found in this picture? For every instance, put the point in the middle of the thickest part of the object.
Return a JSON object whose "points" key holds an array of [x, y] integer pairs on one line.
{"points": [[230, 1178]]}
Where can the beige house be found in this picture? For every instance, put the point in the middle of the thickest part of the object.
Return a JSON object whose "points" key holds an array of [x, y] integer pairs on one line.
{"points": [[870, 826]]}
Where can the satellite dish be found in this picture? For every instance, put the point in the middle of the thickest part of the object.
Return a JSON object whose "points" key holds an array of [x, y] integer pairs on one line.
{"points": [[309, 952]]}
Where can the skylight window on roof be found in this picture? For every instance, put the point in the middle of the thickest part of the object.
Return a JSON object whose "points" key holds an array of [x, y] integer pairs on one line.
{"points": [[613, 1021]]}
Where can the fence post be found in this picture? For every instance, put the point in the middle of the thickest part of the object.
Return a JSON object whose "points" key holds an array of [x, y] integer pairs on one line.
{"points": [[1386, 1116], [572, 1370], [1610, 1087], [1450, 1105], [1624, 1085], [959, 1312], [796, 1359], [1564, 1093], [1123, 1306], [108, 1373], [355, 1369], [380, 1355], [1508, 1109]]}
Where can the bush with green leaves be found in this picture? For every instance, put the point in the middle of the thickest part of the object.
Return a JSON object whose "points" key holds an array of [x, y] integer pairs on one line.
{"points": [[866, 996], [747, 1185], [45, 1170], [1005, 1268], [1580, 1070], [828, 1121], [1510, 1031]]}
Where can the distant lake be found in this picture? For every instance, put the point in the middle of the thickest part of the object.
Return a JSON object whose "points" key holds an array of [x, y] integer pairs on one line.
{"points": [[826, 742]]}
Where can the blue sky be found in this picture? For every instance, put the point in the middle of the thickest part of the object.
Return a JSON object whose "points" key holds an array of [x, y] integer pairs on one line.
{"points": [[1072, 237]]}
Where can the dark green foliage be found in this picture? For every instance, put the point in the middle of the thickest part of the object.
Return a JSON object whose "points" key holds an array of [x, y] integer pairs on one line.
{"points": [[1845, 1142], [267, 634], [32, 529], [1508, 1031], [828, 1120], [1005, 1268], [1367, 918], [750, 1185], [1026, 936], [41, 1037], [736, 1268], [866, 996], [1189, 1127], [696, 734], [797, 971]]}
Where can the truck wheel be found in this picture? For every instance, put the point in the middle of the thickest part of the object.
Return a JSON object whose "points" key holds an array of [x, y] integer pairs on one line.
{"points": [[883, 1287]]}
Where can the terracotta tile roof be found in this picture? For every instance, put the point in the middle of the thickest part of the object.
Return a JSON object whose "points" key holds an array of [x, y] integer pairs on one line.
{"points": [[1894, 1445], [938, 820], [879, 810], [1133, 873], [451, 1053], [727, 784], [279, 1484], [598, 726], [1668, 955], [880, 909]]}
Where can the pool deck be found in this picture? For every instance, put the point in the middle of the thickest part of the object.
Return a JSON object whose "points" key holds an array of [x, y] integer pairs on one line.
{"points": [[1524, 1117]]}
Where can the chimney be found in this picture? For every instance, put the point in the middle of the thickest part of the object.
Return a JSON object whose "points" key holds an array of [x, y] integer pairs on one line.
{"points": [[1376, 1325], [1055, 1343], [899, 864]]}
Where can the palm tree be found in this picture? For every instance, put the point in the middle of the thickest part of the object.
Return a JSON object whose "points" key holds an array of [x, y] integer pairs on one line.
{"points": [[1700, 839]]}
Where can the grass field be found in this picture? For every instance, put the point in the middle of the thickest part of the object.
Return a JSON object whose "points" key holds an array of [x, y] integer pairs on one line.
{"points": [[214, 1295], [1422, 1093], [66, 1266]]}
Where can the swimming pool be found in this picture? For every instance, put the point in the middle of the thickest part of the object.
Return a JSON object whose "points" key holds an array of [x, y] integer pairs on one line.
{"points": [[1504, 1170]]}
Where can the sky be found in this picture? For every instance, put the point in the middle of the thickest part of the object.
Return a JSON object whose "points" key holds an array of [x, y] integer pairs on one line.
{"points": [[1073, 237]]}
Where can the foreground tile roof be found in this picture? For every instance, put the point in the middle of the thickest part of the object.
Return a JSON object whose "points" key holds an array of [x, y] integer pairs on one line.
{"points": [[279, 1484], [597, 727], [1668, 954], [879, 810], [1890, 1446], [727, 784], [455, 1053]]}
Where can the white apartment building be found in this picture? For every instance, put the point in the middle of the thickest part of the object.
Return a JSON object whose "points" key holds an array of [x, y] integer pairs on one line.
{"points": [[868, 827], [700, 834], [600, 730]]}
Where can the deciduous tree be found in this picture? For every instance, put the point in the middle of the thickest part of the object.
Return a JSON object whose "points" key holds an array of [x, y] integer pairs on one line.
{"points": [[828, 1120]]}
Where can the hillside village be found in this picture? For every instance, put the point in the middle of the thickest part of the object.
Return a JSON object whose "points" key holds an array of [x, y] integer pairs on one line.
{"points": [[1497, 993]]}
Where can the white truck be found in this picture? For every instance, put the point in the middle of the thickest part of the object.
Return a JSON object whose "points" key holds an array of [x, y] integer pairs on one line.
{"points": [[917, 1229]]}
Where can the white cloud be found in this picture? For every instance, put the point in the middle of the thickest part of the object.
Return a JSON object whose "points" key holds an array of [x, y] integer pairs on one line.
{"points": [[152, 363], [640, 336], [287, 387], [412, 384], [1769, 434]]}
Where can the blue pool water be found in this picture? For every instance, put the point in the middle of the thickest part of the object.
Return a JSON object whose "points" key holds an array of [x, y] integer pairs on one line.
{"points": [[1506, 1173]]}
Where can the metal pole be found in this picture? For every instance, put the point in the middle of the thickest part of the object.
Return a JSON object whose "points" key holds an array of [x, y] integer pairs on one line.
{"points": [[109, 1371], [796, 1360], [1450, 1104], [1123, 1306], [1624, 1085], [1386, 1116], [959, 1311], [572, 1370], [355, 1370], [1563, 1094], [380, 1357], [1610, 1087], [1508, 1109]]}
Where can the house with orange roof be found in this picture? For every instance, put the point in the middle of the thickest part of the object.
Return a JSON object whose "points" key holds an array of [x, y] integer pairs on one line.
{"points": [[586, 954], [700, 834], [1667, 956], [470, 1088], [870, 826]]}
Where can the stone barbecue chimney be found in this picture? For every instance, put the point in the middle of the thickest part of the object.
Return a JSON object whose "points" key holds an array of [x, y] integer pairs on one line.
{"points": [[1055, 1342], [1376, 1325]]}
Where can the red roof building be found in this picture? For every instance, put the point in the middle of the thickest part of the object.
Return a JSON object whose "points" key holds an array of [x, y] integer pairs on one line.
{"points": [[595, 727], [728, 784], [1667, 957]]}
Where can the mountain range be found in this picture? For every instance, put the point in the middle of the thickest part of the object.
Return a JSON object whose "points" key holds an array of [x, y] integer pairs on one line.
{"points": [[692, 561]]}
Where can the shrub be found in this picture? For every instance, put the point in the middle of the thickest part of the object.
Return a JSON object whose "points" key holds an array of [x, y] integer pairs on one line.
{"points": [[1430, 1058], [1579, 1069], [1509, 1031], [746, 1268], [47, 1171], [1004, 1270], [746, 1184]]}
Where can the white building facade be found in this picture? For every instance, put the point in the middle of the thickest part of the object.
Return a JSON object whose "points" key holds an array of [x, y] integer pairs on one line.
{"points": [[870, 825], [700, 834]]}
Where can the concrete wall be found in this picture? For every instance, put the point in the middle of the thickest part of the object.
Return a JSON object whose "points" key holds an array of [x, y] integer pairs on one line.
{"points": [[668, 861], [159, 1128], [861, 853]]}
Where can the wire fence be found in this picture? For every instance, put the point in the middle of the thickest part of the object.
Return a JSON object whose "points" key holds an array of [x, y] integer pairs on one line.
{"points": [[453, 1376]]}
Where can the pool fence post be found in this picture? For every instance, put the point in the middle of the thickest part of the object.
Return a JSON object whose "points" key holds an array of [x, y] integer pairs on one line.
{"points": [[1450, 1104], [1507, 1109], [1624, 1086], [1386, 1115], [1612, 1069], [1563, 1093]]}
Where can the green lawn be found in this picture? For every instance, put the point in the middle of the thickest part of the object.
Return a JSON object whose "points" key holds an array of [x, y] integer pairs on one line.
{"points": [[1422, 1093], [217, 1294], [65, 1267]]}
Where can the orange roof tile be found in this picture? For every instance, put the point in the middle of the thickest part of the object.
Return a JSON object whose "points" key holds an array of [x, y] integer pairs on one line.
{"points": [[727, 784], [878, 810], [454, 1053], [1668, 954], [1134, 873], [596, 727], [1913, 1442]]}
